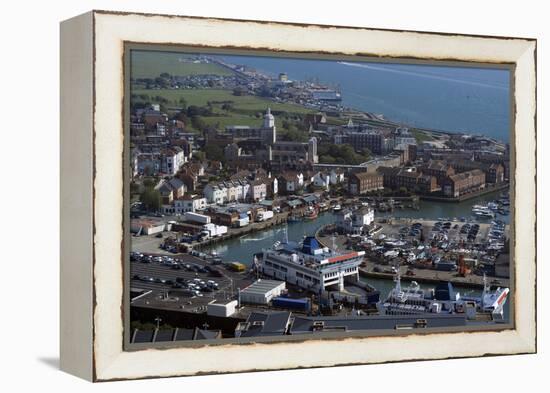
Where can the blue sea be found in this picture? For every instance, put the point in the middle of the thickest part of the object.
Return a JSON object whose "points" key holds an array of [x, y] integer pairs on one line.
{"points": [[456, 99]]}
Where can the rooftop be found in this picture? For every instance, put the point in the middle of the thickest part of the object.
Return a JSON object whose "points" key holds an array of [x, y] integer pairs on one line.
{"points": [[311, 254], [262, 286]]}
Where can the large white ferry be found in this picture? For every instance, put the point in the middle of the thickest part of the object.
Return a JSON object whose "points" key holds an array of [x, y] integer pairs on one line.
{"points": [[309, 265]]}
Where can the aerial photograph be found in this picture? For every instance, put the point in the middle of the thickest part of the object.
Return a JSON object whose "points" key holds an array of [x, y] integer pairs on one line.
{"points": [[279, 196]]}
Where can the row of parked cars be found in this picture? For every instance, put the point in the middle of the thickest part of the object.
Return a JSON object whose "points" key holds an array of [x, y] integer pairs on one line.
{"points": [[196, 285], [471, 230], [414, 230], [193, 286]]}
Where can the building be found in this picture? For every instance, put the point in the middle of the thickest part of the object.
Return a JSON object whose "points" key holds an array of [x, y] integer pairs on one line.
{"points": [[376, 141], [257, 324], [355, 221], [266, 133], [249, 146], [302, 324], [185, 204], [262, 291], [177, 334], [216, 193], [439, 169], [147, 226], [171, 160], [322, 180], [258, 190], [410, 178], [494, 172], [170, 190], [310, 266], [363, 182], [290, 182], [463, 183], [337, 176], [224, 309]]}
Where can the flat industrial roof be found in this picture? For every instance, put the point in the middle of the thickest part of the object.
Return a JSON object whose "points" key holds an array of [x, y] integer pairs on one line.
{"points": [[262, 286]]}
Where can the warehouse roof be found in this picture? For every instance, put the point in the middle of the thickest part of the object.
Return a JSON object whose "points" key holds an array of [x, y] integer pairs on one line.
{"points": [[265, 324], [262, 286], [302, 325], [294, 203]]}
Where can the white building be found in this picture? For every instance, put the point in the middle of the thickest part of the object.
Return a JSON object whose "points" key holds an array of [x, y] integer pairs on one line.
{"points": [[185, 204], [262, 291], [322, 180], [171, 160], [216, 193], [292, 181], [222, 309], [258, 191], [356, 221], [147, 226], [336, 176]]}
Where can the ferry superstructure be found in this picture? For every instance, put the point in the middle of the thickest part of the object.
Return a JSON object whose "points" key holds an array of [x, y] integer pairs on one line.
{"points": [[310, 265]]}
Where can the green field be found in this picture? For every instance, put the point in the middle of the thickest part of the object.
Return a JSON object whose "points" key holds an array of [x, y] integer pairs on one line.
{"points": [[201, 97], [421, 136], [150, 64], [246, 110]]}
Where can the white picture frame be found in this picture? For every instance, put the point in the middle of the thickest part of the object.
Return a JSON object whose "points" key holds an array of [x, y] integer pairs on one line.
{"points": [[92, 146]]}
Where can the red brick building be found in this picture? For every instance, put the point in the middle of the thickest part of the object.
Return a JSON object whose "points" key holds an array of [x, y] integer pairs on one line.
{"points": [[363, 182]]}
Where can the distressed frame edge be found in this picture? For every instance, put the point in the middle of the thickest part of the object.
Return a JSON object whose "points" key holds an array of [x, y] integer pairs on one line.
{"points": [[76, 207], [528, 340]]}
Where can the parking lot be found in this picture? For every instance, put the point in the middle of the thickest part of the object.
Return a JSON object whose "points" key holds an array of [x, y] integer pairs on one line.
{"points": [[182, 281]]}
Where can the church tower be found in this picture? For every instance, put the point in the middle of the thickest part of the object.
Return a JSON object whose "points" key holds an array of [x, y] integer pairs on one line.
{"points": [[270, 131], [312, 150]]}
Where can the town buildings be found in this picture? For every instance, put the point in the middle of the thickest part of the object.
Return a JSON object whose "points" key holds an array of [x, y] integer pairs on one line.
{"points": [[364, 182], [251, 146], [462, 183], [410, 178], [355, 222]]}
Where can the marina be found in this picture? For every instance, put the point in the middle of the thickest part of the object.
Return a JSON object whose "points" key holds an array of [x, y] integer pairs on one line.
{"points": [[242, 249], [301, 212]]}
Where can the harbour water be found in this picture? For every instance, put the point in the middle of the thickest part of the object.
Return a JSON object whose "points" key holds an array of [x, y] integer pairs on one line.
{"points": [[454, 99], [242, 249]]}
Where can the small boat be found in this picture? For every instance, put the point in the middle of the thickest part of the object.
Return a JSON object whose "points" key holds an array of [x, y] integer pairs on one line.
{"points": [[294, 219], [311, 214], [337, 208], [323, 206]]}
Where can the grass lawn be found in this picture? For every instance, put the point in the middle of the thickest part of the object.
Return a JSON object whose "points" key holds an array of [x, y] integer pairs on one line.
{"points": [[150, 64], [201, 97], [421, 136]]}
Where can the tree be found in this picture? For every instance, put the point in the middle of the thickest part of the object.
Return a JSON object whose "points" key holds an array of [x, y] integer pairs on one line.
{"points": [[183, 103], [134, 188], [199, 155], [294, 135], [151, 199], [199, 123], [149, 182], [214, 152], [227, 107], [327, 159]]}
